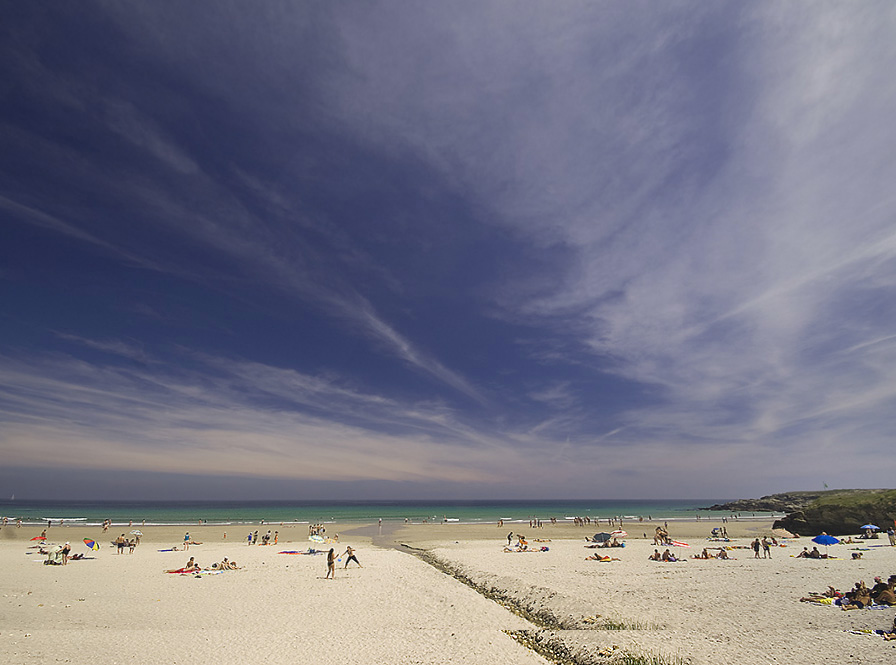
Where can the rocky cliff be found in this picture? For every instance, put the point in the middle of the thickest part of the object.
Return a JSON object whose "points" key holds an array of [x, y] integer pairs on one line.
{"points": [[837, 512]]}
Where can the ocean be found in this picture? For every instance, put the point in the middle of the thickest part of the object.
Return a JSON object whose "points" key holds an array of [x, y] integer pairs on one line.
{"points": [[166, 513]]}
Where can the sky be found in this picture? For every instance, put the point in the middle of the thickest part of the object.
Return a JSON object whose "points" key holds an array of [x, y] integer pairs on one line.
{"points": [[466, 250]]}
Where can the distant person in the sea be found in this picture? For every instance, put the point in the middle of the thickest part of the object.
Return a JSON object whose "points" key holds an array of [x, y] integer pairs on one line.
{"points": [[331, 564], [351, 557]]}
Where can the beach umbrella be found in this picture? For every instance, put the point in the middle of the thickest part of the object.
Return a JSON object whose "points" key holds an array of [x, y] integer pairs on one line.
{"points": [[825, 539], [39, 538], [618, 534], [679, 543], [92, 544], [601, 537], [136, 532], [869, 526]]}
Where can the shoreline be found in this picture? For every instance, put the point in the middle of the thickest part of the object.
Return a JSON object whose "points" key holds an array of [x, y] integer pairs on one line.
{"points": [[388, 534]]}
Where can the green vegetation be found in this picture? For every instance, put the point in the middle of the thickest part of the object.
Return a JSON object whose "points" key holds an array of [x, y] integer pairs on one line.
{"points": [[842, 512]]}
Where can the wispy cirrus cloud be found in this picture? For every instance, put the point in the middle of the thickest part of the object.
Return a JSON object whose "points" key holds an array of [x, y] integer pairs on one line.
{"points": [[633, 239], [228, 417]]}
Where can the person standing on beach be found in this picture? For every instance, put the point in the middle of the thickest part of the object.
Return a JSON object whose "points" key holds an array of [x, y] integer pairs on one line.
{"points": [[331, 564], [509, 538], [119, 542], [351, 557], [766, 548], [66, 550], [891, 535], [755, 547], [186, 541]]}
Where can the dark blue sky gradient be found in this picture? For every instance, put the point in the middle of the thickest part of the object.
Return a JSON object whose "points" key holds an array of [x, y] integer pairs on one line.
{"points": [[603, 250]]}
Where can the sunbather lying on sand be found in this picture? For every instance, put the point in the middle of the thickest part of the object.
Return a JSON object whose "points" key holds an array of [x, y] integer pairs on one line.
{"points": [[816, 597], [598, 557]]}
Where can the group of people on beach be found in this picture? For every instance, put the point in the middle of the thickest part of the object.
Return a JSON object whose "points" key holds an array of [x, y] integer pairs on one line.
{"points": [[332, 558], [266, 539], [705, 554], [765, 545], [192, 567], [665, 556], [122, 541], [859, 597]]}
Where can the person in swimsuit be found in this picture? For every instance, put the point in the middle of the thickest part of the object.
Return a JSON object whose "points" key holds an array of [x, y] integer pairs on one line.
{"points": [[351, 557], [331, 564]]}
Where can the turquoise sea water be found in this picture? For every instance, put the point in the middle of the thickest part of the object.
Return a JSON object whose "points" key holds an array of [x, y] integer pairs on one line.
{"points": [[466, 512]]}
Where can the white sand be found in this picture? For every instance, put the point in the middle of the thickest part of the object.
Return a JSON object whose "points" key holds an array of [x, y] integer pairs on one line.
{"points": [[742, 611], [278, 609], [398, 609]]}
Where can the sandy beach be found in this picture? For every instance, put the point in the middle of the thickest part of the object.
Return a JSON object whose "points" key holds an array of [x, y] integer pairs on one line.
{"points": [[399, 608]]}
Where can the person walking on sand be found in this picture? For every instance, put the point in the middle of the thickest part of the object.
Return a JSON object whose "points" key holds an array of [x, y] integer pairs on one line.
{"points": [[766, 548], [755, 547], [331, 564], [509, 538], [351, 557]]}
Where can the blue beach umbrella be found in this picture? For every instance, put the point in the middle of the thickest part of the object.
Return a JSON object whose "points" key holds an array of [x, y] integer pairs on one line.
{"points": [[869, 526], [825, 539]]}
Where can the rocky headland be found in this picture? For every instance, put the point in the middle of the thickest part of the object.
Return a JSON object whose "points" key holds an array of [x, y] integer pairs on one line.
{"points": [[837, 512]]}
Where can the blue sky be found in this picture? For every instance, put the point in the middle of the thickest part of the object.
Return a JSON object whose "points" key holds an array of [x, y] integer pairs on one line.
{"points": [[446, 250]]}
